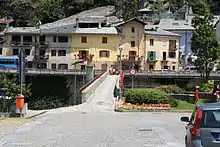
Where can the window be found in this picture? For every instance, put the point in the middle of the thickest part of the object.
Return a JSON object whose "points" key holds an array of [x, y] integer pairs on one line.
{"points": [[0, 51], [15, 51], [83, 39], [104, 40], [172, 55], [62, 53], [151, 55], [151, 42], [27, 52], [164, 56], [53, 52], [172, 44], [132, 43], [104, 54], [42, 52], [53, 65], [211, 119], [54, 38], [132, 30], [83, 67], [174, 67], [151, 67], [62, 39], [62, 66], [27, 40]]}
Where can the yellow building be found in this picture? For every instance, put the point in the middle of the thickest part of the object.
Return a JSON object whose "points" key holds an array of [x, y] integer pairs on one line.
{"points": [[133, 40], [157, 48], [102, 43], [162, 49]]}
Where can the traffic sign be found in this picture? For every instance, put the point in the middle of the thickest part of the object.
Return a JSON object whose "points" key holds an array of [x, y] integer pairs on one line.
{"points": [[132, 72]]}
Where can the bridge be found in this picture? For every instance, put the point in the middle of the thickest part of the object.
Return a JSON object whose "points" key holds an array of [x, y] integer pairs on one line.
{"points": [[150, 74]]}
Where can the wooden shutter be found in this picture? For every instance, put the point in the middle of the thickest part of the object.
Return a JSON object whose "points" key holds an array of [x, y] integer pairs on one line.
{"points": [[107, 53], [148, 55], [154, 55]]}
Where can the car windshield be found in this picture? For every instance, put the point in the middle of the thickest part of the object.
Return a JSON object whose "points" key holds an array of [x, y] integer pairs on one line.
{"points": [[211, 119]]}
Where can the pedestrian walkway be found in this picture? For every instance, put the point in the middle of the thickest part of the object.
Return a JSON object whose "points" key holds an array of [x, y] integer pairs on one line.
{"points": [[101, 101]]}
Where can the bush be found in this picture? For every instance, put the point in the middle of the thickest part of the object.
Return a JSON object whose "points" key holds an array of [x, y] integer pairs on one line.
{"points": [[46, 103], [207, 87], [146, 96], [173, 102], [170, 89]]}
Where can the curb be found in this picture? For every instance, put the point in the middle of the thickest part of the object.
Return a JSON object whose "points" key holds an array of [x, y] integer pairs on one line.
{"points": [[172, 111], [35, 115]]}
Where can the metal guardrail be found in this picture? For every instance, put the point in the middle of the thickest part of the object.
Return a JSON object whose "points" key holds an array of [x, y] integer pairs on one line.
{"points": [[172, 74]]}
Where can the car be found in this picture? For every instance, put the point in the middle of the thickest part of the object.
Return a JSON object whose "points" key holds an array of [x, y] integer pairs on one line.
{"points": [[203, 128]]}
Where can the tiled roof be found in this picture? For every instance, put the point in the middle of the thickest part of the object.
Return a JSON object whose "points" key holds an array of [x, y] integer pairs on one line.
{"points": [[28, 30], [171, 24], [93, 15], [160, 32], [102, 30]]}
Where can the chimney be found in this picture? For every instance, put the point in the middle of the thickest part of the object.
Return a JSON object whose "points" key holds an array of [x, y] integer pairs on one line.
{"points": [[77, 22], [100, 25]]}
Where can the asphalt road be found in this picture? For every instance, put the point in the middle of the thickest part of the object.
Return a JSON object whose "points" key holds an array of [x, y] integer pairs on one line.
{"points": [[94, 124]]}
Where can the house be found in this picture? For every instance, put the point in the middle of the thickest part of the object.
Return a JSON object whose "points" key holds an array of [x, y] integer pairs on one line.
{"points": [[101, 44], [162, 49], [158, 49], [54, 45]]}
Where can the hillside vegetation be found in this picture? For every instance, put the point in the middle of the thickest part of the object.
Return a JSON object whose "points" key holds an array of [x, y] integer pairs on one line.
{"points": [[29, 12]]}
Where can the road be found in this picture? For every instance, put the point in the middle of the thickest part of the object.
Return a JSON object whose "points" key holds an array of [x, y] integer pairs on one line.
{"points": [[94, 124]]}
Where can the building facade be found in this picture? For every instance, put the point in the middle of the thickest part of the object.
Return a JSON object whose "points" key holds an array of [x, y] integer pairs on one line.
{"points": [[100, 44], [162, 50]]}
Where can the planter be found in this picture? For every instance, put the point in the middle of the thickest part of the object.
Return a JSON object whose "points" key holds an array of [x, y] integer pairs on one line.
{"points": [[142, 108]]}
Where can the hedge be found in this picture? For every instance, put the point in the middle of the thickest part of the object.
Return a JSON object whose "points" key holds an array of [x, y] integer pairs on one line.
{"points": [[170, 89], [146, 96]]}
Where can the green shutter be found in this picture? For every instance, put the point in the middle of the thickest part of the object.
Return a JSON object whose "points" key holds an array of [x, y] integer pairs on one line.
{"points": [[148, 55], [154, 55]]}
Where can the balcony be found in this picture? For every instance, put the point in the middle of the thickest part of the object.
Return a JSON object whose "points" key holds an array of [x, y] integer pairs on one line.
{"points": [[164, 59], [43, 44]]}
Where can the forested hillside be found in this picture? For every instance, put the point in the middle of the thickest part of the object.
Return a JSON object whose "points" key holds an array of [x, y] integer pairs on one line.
{"points": [[29, 12]]}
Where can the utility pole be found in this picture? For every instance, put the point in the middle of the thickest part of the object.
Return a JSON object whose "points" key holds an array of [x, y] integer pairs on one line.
{"points": [[21, 68]]}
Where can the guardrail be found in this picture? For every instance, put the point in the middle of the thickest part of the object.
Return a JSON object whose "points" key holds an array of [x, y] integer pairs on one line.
{"points": [[172, 74]]}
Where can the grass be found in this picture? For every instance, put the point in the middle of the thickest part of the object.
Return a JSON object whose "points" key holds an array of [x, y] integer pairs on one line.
{"points": [[183, 105]]}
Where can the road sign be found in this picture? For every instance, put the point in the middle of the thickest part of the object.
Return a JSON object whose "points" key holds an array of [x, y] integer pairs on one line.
{"points": [[132, 72]]}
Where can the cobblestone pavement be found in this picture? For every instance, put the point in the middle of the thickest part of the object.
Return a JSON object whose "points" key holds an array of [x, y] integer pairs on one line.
{"points": [[94, 124]]}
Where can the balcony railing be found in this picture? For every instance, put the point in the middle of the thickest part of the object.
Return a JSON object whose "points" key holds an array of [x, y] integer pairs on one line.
{"points": [[151, 59]]}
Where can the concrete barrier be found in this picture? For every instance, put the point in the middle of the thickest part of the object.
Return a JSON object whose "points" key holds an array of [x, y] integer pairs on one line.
{"points": [[90, 89]]}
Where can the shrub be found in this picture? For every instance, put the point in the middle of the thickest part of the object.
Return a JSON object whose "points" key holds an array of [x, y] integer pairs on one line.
{"points": [[170, 89], [147, 96], [173, 102], [207, 87]]}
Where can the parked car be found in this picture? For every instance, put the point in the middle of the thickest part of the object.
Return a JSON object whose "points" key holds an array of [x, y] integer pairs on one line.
{"points": [[203, 128]]}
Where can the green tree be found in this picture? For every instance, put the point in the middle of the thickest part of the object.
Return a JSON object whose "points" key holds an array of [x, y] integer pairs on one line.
{"points": [[50, 10], [204, 43], [22, 11], [126, 9], [10, 87]]}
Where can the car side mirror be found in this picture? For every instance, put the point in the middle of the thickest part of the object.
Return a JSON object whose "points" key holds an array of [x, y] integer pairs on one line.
{"points": [[184, 119]]}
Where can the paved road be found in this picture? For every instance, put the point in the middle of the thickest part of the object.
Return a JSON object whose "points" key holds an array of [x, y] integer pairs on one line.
{"points": [[95, 125]]}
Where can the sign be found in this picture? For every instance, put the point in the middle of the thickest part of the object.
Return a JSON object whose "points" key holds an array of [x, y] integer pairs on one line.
{"points": [[132, 72]]}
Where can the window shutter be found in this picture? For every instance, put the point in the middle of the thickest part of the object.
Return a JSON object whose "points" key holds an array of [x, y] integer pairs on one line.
{"points": [[148, 55], [154, 55], [100, 53]]}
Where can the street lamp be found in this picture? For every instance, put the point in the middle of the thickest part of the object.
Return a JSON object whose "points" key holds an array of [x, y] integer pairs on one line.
{"points": [[120, 69]]}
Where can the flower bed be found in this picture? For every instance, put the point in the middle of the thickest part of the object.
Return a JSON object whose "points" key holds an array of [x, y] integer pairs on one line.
{"points": [[144, 107]]}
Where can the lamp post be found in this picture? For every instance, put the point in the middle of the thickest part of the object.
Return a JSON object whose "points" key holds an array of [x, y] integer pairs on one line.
{"points": [[120, 69]]}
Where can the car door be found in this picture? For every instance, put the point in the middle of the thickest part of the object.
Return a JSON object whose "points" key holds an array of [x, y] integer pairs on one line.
{"points": [[210, 128], [189, 126]]}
